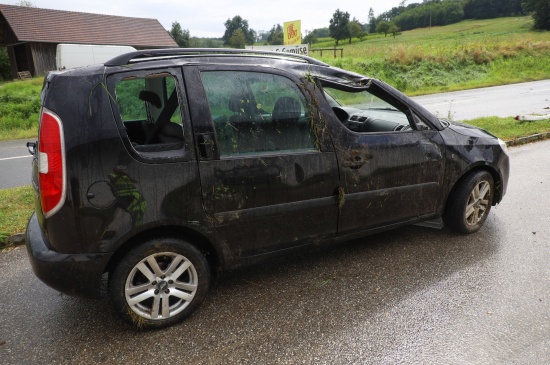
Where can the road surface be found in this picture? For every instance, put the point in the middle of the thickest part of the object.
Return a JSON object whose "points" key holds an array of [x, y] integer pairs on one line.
{"points": [[409, 296], [500, 101]]}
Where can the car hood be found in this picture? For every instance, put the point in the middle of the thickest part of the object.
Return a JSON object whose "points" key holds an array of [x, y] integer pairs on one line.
{"points": [[469, 130]]}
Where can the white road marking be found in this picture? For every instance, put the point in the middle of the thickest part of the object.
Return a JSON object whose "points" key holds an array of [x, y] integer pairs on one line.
{"points": [[14, 158]]}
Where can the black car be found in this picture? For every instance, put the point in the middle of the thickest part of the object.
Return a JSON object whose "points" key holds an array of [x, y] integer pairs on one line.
{"points": [[162, 168]]}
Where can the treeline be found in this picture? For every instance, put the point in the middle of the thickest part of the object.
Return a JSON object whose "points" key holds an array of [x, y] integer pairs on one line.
{"points": [[444, 12]]}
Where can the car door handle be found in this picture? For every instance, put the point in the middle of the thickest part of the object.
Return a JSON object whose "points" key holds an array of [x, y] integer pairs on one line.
{"points": [[205, 144], [354, 165]]}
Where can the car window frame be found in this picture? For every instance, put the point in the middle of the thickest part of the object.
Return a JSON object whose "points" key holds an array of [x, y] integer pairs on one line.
{"points": [[202, 118], [186, 153]]}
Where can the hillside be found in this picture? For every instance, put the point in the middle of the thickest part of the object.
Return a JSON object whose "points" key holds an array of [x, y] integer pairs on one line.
{"points": [[469, 54]]}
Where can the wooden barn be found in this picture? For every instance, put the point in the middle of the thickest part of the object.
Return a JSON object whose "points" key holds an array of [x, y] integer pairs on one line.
{"points": [[31, 35]]}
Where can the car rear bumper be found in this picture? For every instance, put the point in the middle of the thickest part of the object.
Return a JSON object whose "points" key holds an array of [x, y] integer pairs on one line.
{"points": [[72, 274]]}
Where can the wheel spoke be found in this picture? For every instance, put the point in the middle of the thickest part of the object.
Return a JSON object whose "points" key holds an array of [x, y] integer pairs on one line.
{"points": [[152, 261], [185, 286], [485, 190], [475, 192], [165, 305], [475, 216], [137, 289], [155, 308], [146, 271], [180, 270], [174, 265], [141, 297], [182, 295], [470, 210]]}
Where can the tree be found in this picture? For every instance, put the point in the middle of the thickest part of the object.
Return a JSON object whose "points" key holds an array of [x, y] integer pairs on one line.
{"points": [[28, 4], [323, 32], [310, 37], [237, 40], [231, 25], [486, 9], [393, 29], [371, 21], [338, 27], [356, 30], [383, 27], [5, 68], [276, 35], [179, 35], [541, 12]]}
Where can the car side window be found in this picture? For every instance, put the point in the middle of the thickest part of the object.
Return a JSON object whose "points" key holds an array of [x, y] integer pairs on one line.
{"points": [[150, 111], [361, 111], [257, 113]]}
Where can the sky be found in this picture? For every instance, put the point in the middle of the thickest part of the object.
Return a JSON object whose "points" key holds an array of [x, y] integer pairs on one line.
{"points": [[206, 18]]}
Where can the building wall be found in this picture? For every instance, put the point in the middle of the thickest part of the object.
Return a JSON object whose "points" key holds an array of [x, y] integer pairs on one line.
{"points": [[43, 56]]}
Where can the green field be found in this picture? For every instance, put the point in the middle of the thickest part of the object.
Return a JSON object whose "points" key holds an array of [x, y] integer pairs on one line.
{"points": [[469, 54]]}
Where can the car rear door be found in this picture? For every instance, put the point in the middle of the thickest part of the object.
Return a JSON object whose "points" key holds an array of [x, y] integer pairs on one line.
{"points": [[267, 182]]}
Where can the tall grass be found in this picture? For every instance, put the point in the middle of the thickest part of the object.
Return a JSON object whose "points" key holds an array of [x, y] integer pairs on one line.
{"points": [[460, 56], [19, 108], [16, 206]]}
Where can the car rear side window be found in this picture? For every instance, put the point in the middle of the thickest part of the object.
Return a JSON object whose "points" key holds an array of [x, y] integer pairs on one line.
{"points": [[256, 113], [149, 109]]}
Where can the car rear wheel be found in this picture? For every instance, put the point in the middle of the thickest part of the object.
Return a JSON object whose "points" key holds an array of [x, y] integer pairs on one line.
{"points": [[159, 283], [470, 203]]}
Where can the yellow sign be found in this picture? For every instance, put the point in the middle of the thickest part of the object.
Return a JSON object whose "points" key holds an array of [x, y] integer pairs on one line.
{"points": [[292, 32]]}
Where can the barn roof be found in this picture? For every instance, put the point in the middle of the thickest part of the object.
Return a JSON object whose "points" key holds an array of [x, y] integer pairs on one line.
{"points": [[57, 26]]}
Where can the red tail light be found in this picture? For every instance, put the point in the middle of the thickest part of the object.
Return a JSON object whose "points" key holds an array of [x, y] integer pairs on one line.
{"points": [[51, 163]]}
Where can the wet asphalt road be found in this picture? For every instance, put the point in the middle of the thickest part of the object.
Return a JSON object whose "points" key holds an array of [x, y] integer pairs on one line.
{"points": [[15, 164], [411, 296]]}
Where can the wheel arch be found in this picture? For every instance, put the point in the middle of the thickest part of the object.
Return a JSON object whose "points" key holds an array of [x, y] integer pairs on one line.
{"points": [[497, 180], [214, 257]]}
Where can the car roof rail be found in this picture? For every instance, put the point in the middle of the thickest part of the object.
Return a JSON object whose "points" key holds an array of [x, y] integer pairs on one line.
{"points": [[147, 54]]}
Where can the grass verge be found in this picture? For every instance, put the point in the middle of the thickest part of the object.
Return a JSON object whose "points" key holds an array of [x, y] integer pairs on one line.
{"points": [[509, 129], [16, 206], [20, 108]]}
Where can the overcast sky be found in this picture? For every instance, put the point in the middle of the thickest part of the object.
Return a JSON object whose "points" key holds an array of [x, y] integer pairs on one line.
{"points": [[206, 18]]}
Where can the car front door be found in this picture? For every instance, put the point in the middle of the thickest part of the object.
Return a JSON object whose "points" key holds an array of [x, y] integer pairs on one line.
{"points": [[267, 182], [391, 162]]}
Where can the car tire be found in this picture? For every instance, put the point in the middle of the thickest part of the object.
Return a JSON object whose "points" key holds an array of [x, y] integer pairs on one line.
{"points": [[470, 203], [159, 283]]}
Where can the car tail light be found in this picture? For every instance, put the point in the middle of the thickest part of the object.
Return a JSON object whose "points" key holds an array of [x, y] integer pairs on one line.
{"points": [[51, 163]]}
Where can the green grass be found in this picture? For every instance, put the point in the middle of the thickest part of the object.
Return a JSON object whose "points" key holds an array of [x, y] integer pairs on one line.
{"points": [[16, 206], [19, 109], [509, 129], [469, 54]]}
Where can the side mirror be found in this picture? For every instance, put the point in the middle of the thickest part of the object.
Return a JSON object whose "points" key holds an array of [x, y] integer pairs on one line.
{"points": [[32, 147]]}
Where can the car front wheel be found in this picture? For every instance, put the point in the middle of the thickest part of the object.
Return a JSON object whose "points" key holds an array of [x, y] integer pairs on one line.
{"points": [[159, 283], [470, 203]]}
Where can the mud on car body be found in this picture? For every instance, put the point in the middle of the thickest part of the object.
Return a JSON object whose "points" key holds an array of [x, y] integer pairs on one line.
{"points": [[163, 167]]}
